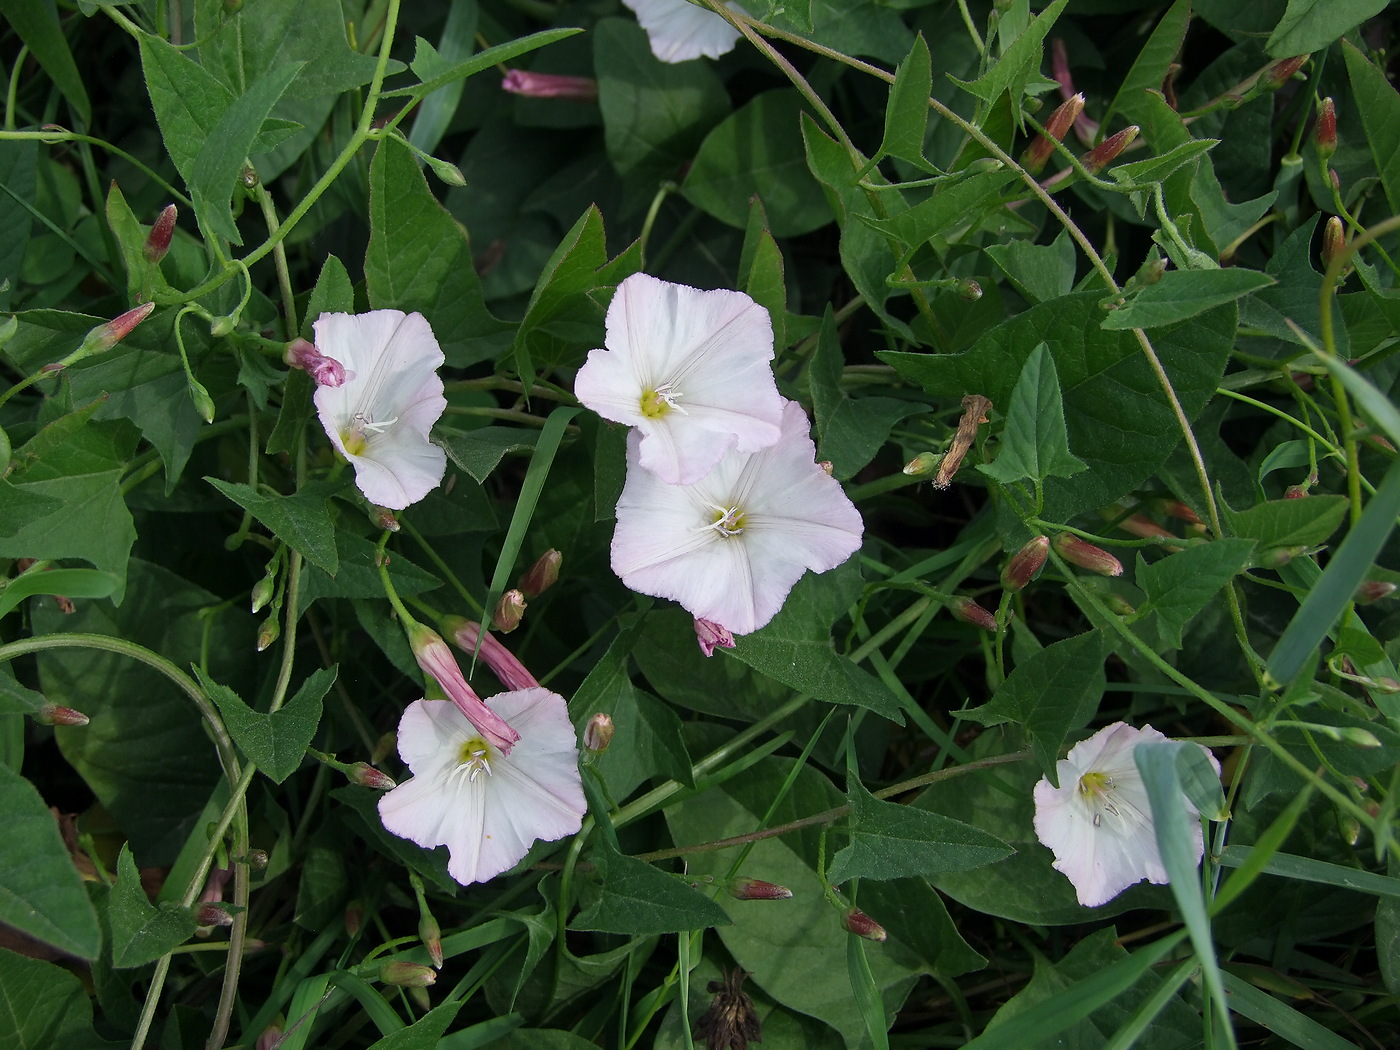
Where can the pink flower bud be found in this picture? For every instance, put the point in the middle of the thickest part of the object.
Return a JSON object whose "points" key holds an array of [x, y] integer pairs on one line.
{"points": [[257, 859], [541, 576], [1087, 556], [105, 336], [403, 974], [1295, 492], [354, 917], [383, 518], [862, 925], [326, 371], [1060, 122], [50, 714], [269, 632], [747, 889], [1369, 591], [271, 1036], [1180, 511], [510, 610], [969, 289], [436, 659], [968, 611], [431, 935], [1325, 131], [1278, 557], [366, 775], [923, 463], [158, 240], [1281, 72], [712, 636], [1146, 528], [1334, 240], [1107, 151], [550, 85], [212, 915], [511, 672], [598, 734], [1025, 564]]}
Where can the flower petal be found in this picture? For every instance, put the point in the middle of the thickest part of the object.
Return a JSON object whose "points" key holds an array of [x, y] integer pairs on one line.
{"points": [[679, 31]]}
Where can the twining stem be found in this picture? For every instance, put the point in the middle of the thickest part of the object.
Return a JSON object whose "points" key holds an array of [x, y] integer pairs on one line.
{"points": [[279, 260]]}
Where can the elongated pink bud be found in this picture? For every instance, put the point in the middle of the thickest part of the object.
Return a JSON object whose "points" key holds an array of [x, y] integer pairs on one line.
{"points": [[1107, 151], [1281, 72], [1325, 132], [712, 636], [1087, 556], [1334, 240], [541, 576], [366, 775], [550, 85], [862, 925], [1025, 564], [436, 659], [430, 933], [1373, 591], [158, 240], [511, 672], [406, 974], [965, 609], [747, 889], [1180, 511], [105, 336], [1060, 122], [326, 371], [56, 715]]}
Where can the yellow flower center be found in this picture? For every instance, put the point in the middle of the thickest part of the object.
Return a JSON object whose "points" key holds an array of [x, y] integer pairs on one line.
{"points": [[729, 521], [475, 756], [355, 437], [655, 403], [1097, 789]]}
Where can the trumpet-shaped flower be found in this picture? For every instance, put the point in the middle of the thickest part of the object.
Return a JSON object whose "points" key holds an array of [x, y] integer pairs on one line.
{"points": [[731, 546], [485, 806], [379, 417], [1098, 821], [690, 370], [679, 31]]}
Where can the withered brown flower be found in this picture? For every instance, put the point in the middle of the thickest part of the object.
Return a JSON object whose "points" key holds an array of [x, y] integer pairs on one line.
{"points": [[731, 1021]]}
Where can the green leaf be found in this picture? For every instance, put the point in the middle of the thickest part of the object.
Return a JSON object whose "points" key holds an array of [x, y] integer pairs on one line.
{"points": [[362, 806], [301, 520], [1287, 522], [758, 150], [1180, 586], [637, 898], [79, 463], [1309, 869], [1034, 442], [1180, 294], [424, 1033], [140, 932], [1379, 104], [1155, 169], [492, 56], [1040, 272], [187, 98], [890, 841], [849, 430], [18, 168], [1152, 64], [215, 172], [1053, 692], [358, 575], [480, 451], [419, 259], [45, 1007], [761, 271], [1310, 25], [867, 994], [1287, 1023], [957, 203], [36, 23], [15, 698], [41, 892], [796, 649], [906, 114], [655, 113], [71, 583], [275, 742], [1018, 69], [1120, 423]]}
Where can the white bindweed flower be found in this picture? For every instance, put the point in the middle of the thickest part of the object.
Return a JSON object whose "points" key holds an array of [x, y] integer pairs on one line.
{"points": [[1098, 822], [679, 31], [731, 546], [380, 416], [485, 806], [689, 369]]}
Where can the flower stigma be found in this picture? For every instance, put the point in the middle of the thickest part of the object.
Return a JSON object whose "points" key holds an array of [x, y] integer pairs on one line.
{"points": [[655, 403], [1097, 789], [354, 438], [729, 522], [475, 759]]}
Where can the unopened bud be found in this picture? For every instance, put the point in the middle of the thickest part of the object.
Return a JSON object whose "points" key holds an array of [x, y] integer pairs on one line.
{"points": [[403, 974], [1335, 178], [598, 734], [354, 917], [1278, 557], [549, 85], [271, 1035], [447, 172], [420, 998], [1180, 511], [510, 610], [366, 775], [1334, 240], [203, 403], [1372, 591], [105, 336], [1118, 605], [1358, 737], [1060, 122], [969, 289], [431, 935], [1025, 564], [1078, 552], [1281, 72], [965, 609], [212, 915], [923, 463], [222, 326], [263, 592], [712, 636], [1349, 827], [541, 576], [50, 714], [1295, 492], [1107, 151], [383, 518], [1325, 131], [747, 889], [256, 859], [1151, 271], [326, 371], [862, 925], [158, 240], [269, 632]]}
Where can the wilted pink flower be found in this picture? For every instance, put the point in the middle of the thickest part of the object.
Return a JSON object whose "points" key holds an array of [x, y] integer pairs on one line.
{"points": [[436, 659], [326, 371], [508, 670], [549, 85], [712, 636]]}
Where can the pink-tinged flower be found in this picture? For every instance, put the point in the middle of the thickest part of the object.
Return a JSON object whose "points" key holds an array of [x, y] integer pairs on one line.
{"points": [[690, 370], [549, 85], [1098, 822], [679, 31], [380, 416], [485, 806], [436, 659], [731, 546], [326, 371], [510, 671], [712, 636]]}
